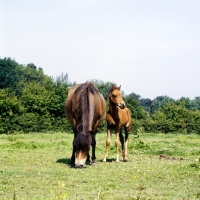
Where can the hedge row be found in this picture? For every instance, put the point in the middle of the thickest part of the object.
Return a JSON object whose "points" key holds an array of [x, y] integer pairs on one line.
{"points": [[31, 122]]}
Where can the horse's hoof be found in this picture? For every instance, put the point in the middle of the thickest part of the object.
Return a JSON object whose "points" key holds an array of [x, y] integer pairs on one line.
{"points": [[72, 165], [79, 166], [117, 161], [93, 164], [88, 162], [104, 160]]}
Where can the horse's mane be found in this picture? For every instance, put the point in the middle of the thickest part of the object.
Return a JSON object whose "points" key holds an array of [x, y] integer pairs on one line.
{"points": [[83, 105], [83, 138]]}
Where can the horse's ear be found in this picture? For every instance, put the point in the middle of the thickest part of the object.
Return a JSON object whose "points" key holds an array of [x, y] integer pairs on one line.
{"points": [[119, 87]]}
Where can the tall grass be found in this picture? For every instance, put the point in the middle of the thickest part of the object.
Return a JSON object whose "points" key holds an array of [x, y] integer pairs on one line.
{"points": [[35, 166]]}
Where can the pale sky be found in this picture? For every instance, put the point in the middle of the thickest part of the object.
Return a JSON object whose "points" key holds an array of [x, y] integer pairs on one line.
{"points": [[149, 47]]}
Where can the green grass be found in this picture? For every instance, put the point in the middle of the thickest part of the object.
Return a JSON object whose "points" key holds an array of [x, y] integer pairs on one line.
{"points": [[35, 166]]}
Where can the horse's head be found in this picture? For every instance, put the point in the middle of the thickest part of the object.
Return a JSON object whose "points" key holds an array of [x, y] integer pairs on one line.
{"points": [[81, 144], [115, 97]]}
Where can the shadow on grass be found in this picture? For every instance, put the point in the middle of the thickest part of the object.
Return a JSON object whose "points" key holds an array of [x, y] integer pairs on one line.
{"points": [[109, 160], [64, 161], [67, 161]]}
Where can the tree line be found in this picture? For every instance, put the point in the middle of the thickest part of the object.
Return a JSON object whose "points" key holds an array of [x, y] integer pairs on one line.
{"points": [[31, 101]]}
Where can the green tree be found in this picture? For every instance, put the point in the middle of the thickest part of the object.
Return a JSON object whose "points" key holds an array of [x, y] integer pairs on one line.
{"points": [[10, 108], [8, 74], [137, 111], [189, 104], [28, 75], [36, 99], [197, 100], [103, 87], [9, 105], [173, 117], [32, 66], [158, 101], [59, 95], [134, 95], [146, 104]]}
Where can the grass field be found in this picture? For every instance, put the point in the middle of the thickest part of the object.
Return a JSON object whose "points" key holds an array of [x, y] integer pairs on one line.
{"points": [[35, 166]]}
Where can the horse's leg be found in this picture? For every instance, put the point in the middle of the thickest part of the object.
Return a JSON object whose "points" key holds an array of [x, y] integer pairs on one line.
{"points": [[125, 154], [107, 144], [121, 137], [93, 150], [88, 158], [72, 162]]}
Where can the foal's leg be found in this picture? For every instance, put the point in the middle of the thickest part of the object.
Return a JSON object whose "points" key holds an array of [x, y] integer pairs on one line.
{"points": [[125, 154], [121, 137], [117, 142], [107, 144], [110, 125]]}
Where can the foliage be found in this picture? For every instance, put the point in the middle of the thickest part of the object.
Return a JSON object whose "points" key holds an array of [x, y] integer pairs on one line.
{"points": [[9, 104], [59, 95], [10, 108], [36, 99], [8, 74], [158, 101], [189, 104], [27, 75], [137, 111], [146, 104], [30, 101], [103, 87], [176, 118], [197, 100]]}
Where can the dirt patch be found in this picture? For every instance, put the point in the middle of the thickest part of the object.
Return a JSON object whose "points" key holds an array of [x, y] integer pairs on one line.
{"points": [[167, 157]]}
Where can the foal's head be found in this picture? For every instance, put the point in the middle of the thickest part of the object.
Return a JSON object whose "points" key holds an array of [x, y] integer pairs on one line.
{"points": [[115, 97]]}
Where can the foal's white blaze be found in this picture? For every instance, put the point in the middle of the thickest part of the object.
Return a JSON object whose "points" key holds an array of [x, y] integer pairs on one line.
{"points": [[80, 159]]}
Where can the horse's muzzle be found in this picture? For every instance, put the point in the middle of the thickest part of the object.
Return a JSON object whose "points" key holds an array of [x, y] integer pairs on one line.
{"points": [[79, 166]]}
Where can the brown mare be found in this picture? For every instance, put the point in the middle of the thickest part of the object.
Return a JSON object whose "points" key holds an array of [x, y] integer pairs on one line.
{"points": [[118, 116], [85, 108]]}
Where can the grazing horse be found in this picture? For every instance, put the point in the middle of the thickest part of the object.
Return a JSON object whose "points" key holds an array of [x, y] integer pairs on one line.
{"points": [[118, 116], [85, 108]]}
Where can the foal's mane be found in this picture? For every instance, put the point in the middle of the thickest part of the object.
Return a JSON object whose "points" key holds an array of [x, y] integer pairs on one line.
{"points": [[114, 87], [83, 105]]}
